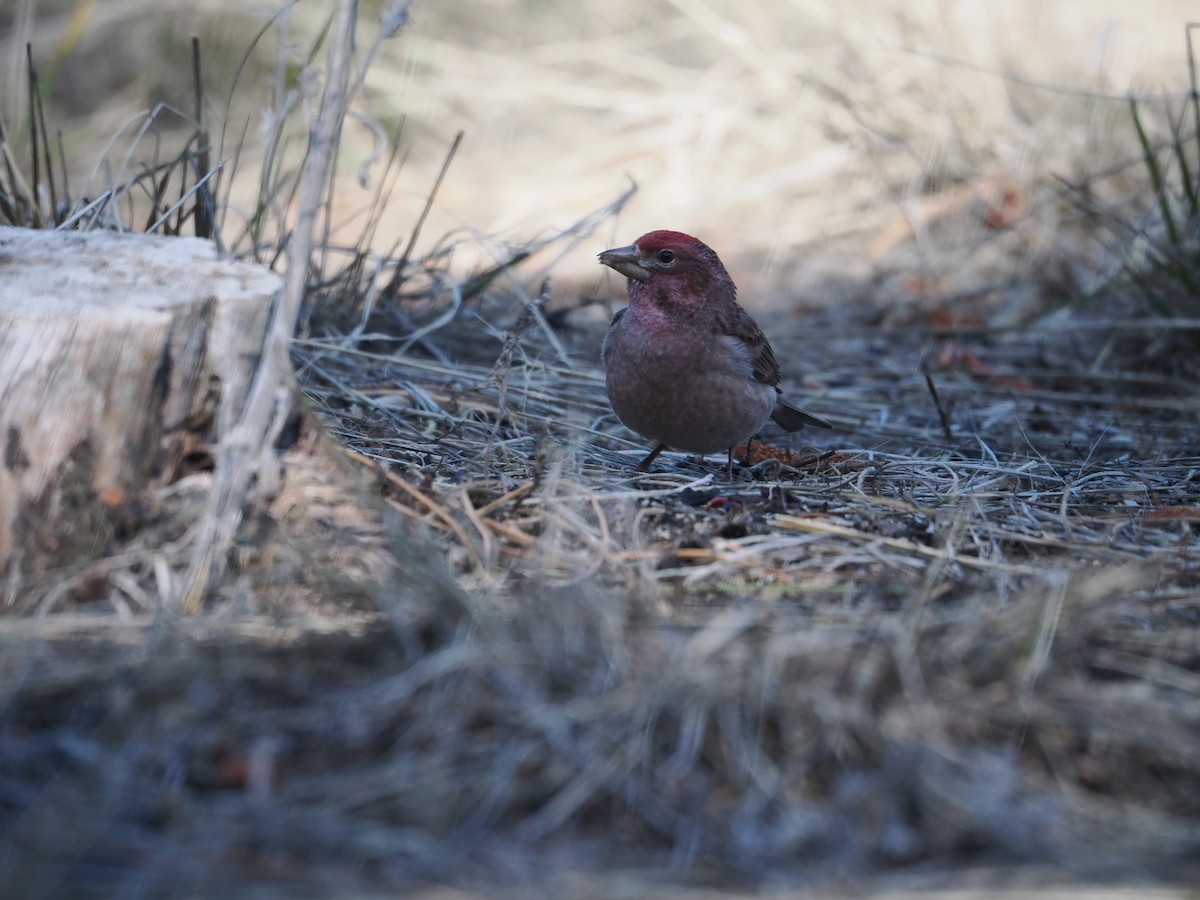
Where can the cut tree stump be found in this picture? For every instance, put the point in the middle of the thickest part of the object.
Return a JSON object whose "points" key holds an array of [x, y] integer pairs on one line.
{"points": [[124, 359]]}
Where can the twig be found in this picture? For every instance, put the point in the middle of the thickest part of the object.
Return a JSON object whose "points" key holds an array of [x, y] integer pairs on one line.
{"points": [[247, 452], [938, 404]]}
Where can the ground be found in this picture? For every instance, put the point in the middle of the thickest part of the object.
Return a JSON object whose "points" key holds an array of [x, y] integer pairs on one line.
{"points": [[465, 643]]}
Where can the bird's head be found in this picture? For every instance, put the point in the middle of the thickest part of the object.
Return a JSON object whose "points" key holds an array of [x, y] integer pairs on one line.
{"points": [[669, 267]]}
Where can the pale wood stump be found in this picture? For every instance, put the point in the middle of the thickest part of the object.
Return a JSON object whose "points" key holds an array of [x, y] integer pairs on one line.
{"points": [[124, 359]]}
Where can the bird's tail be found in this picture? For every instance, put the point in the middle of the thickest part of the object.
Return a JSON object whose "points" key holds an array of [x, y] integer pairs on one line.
{"points": [[789, 418]]}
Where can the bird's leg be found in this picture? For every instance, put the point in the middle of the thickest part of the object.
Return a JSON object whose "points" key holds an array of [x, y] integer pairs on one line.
{"points": [[644, 465], [746, 455], [729, 466]]}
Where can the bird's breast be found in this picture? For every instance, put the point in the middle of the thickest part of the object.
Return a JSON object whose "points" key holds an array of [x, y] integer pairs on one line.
{"points": [[690, 390]]}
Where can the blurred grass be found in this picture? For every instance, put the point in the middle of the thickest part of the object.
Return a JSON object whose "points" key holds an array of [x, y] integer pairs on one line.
{"points": [[1166, 272], [791, 136]]}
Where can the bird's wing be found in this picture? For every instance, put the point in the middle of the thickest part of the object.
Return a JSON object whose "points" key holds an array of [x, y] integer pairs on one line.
{"points": [[616, 320], [763, 365]]}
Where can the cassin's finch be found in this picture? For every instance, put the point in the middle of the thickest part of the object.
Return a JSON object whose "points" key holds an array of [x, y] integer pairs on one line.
{"points": [[686, 366]]}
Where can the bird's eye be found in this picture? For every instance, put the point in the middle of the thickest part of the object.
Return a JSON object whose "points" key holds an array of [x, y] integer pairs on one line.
{"points": [[666, 256]]}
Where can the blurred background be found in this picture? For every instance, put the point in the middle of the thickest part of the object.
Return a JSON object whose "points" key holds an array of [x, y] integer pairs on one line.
{"points": [[897, 153]]}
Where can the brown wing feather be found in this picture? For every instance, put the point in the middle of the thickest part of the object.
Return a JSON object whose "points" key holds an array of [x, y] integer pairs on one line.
{"points": [[763, 365], [765, 369]]}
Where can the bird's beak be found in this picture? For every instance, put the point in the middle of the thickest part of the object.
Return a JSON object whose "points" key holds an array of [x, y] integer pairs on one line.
{"points": [[627, 261]]}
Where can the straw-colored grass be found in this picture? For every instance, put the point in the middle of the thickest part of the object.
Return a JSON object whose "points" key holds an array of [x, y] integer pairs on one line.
{"points": [[463, 641]]}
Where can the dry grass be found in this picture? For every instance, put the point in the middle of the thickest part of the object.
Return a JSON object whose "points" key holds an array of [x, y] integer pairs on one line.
{"points": [[904, 648], [787, 135], [961, 630]]}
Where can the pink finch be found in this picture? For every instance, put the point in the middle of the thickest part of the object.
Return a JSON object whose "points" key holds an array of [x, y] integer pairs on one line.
{"points": [[686, 366]]}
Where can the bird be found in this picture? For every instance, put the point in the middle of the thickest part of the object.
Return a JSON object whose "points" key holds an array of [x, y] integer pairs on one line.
{"points": [[685, 365]]}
